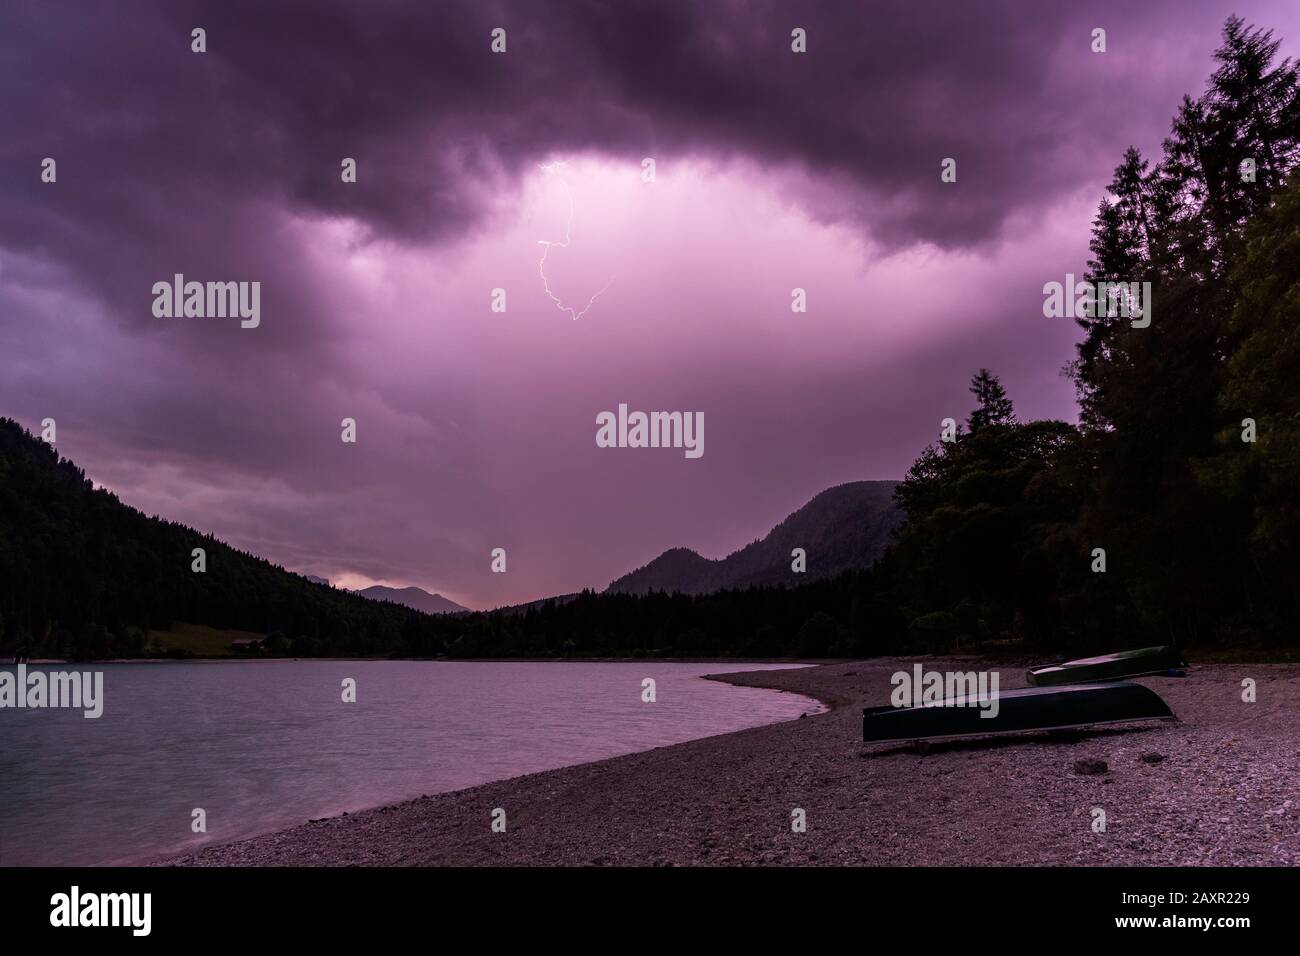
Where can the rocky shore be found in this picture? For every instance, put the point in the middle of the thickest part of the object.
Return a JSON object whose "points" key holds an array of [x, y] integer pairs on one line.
{"points": [[1221, 786]]}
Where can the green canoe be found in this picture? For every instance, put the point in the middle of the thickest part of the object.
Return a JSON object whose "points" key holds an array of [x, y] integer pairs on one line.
{"points": [[1028, 708], [1139, 663]]}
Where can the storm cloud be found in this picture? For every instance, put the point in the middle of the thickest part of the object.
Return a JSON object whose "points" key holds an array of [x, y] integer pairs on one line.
{"points": [[776, 170]]}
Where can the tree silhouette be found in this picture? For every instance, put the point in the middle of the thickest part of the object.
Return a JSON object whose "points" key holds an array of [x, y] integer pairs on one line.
{"points": [[994, 407]]}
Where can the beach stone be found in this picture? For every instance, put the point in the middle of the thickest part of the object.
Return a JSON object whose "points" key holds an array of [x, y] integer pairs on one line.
{"points": [[1089, 767], [1153, 757]]}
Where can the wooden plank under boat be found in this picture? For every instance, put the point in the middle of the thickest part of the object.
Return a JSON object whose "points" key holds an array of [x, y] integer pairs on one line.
{"points": [[1139, 663], [1029, 708]]}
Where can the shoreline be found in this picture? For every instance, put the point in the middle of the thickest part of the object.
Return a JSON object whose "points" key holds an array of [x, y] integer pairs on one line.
{"points": [[785, 661], [1220, 792], [1009, 659]]}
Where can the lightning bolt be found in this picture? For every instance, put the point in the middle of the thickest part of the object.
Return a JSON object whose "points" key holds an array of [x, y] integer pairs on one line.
{"points": [[547, 245]]}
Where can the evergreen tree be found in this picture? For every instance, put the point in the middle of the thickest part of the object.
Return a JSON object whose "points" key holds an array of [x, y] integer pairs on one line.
{"points": [[1116, 257], [994, 407], [1255, 103], [1258, 481]]}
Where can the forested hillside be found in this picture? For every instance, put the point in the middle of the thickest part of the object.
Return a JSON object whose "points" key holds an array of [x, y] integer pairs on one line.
{"points": [[82, 574]]}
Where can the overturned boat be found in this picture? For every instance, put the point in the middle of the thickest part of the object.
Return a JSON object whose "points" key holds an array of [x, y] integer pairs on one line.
{"points": [[1031, 708], [1139, 663]]}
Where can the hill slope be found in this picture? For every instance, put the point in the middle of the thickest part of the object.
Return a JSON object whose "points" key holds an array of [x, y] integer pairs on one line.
{"points": [[843, 528], [84, 575]]}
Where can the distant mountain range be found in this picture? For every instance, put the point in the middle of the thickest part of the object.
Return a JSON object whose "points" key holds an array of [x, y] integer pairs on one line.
{"points": [[415, 598], [848, 526]]}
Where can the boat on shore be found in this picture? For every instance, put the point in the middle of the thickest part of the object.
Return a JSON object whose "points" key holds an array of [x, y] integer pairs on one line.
{"points": [[1029, 708], [1143, 662]]}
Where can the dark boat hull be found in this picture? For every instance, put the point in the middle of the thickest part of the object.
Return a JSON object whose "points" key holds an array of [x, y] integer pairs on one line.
{"points": [[1030, 708], [1108, 667]]}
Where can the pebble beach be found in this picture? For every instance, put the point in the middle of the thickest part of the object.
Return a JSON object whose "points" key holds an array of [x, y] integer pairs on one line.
{"points": [[1219, 786]]}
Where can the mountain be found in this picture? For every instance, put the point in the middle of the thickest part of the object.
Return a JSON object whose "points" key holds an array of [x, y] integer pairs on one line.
{"points": [[83, 575], [845, 527], [415, 598]]}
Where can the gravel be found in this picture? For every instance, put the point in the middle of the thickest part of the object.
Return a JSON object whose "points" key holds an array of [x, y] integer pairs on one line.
{"points": [[1225, 791]]}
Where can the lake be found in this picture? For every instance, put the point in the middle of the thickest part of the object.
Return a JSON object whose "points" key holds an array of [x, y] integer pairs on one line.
{"points": [[264, 745]]}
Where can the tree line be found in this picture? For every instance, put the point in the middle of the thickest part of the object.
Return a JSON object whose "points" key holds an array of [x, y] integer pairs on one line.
{"points": [[1184, 469]]}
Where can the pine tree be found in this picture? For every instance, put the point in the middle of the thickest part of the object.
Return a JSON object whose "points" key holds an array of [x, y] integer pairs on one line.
{"points": [[1261, 477], [1257, 105], [1192, 175], [1131, 189], [1114, 258], [994, 406]]}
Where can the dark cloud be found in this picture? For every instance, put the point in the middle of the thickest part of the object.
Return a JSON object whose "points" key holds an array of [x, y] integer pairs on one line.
{"points": [[155, 140]]}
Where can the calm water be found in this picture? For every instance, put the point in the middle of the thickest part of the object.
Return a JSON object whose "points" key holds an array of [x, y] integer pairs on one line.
{"points": [[266, 745]]}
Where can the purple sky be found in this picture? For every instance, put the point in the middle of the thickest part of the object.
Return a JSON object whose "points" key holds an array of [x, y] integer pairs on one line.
{"points": [[476, 429]]}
